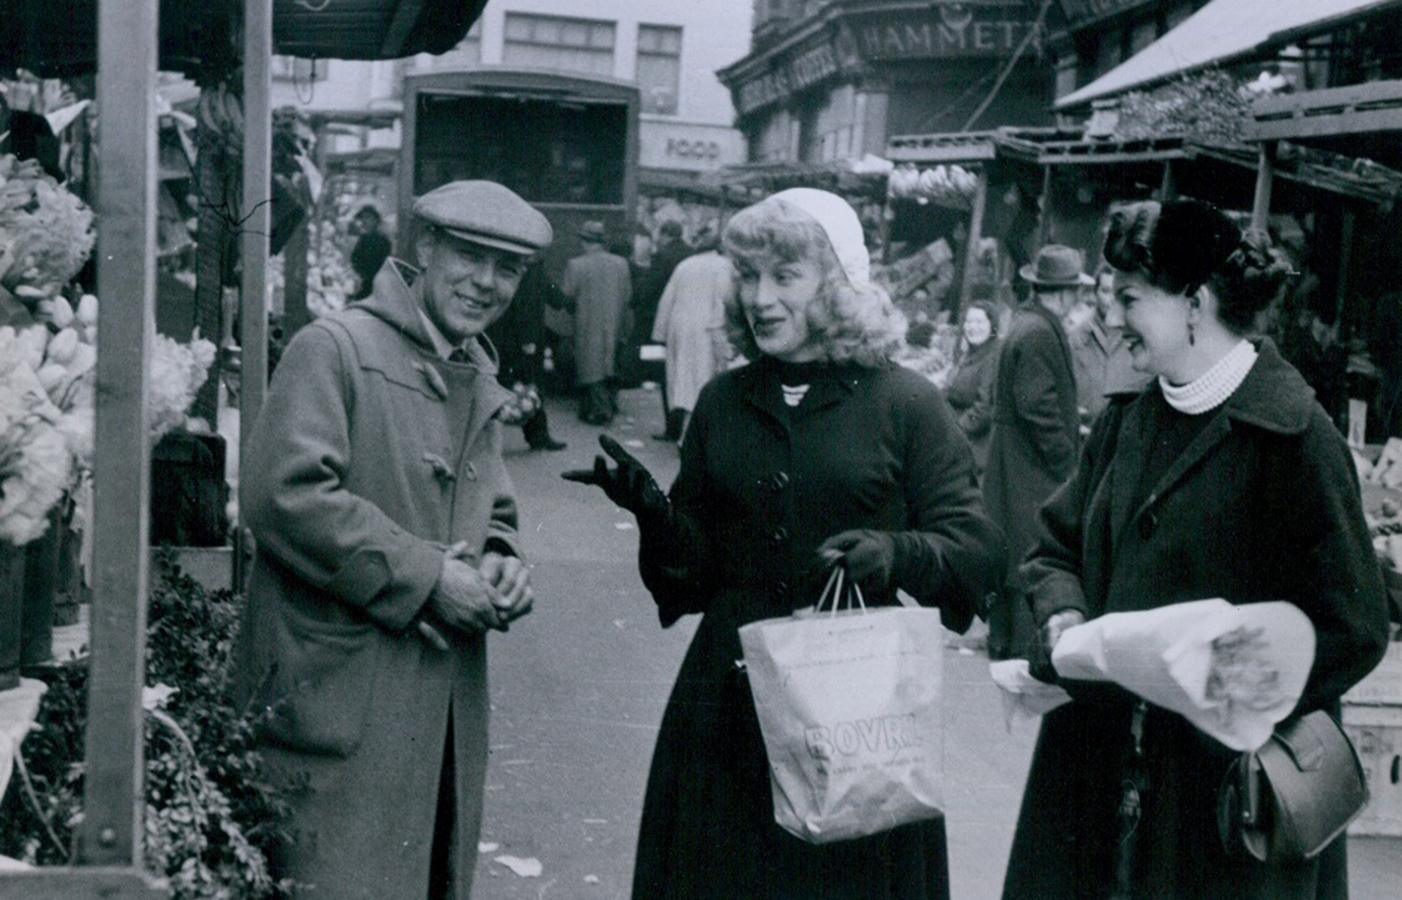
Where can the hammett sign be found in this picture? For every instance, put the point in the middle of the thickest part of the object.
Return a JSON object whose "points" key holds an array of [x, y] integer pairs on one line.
{"points": [[946, 30], [938, 31]]}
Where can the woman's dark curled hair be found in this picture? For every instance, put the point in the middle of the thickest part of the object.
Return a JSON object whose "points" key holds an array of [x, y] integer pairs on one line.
{"points": [[1181, 245]]}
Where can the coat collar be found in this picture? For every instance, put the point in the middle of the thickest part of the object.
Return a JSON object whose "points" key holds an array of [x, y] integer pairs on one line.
{"points": [[397, 299], [762, 390], [1274, 397]]}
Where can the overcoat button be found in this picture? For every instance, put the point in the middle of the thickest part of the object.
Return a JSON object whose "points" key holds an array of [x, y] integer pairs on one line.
{"points": [[781, 480], [781, 588], [780, 535], [1148, 524]]}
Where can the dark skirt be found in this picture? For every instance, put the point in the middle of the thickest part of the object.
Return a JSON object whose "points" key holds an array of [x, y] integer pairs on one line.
{"points": [[708, 830]]}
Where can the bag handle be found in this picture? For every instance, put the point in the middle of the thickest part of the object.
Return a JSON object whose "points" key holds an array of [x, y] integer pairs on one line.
{"points": [[834, 591]]}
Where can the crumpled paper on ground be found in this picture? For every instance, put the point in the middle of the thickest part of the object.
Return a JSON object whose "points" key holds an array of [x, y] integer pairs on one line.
{"points": [[1165, 656]]}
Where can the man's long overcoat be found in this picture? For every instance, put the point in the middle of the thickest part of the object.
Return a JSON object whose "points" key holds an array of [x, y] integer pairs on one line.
{"points": [[764, 486], [1262, 505], [600, 284], [371, 456], [1035, 425]]}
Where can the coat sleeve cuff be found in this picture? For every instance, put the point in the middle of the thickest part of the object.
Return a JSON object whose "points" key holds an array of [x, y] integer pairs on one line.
{"points": [[392, 596], [1057, 594]]}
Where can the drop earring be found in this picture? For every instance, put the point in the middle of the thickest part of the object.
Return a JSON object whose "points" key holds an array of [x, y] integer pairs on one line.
{"points": [[1192, 338]]}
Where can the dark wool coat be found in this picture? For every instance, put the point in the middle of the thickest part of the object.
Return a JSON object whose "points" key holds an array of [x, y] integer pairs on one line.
{"points": [[970, 394], [762, 486], [1262, 505], [1035, 425], [370, 457]]}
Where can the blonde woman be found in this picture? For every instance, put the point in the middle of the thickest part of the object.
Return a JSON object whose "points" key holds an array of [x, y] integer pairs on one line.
{"points": [[820, 450]]}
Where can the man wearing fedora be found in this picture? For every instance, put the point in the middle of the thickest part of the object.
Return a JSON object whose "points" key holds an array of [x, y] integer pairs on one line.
{"points": [[1035, 436], [598, 285], [386, 535]]}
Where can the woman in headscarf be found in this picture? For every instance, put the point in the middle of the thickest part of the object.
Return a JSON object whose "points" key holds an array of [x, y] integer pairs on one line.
{"points": [[819, 450]]}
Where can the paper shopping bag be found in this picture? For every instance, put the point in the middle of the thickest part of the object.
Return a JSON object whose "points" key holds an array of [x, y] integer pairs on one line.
{"points": [[849, 705]]}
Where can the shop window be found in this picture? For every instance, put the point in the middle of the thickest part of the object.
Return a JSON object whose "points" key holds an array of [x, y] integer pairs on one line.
{"points": [[294, 68], [1144, 34], [659, 68], [1110, 53], [552, 42]]}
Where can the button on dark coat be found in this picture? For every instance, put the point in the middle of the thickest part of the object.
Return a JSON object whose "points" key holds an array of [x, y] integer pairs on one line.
{"points": [[867, 448], [1262, 505]]}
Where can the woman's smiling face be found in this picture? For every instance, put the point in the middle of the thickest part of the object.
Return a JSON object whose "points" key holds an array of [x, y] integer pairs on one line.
{"points": [[775, 295], [1156, 324]]}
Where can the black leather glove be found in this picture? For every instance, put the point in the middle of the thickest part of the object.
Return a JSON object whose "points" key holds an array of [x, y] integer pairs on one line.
{"points": [[869, 556], [629, 484]]}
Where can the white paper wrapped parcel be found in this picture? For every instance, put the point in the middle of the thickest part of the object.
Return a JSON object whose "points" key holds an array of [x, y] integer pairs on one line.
{"points": [[1164, 655]]}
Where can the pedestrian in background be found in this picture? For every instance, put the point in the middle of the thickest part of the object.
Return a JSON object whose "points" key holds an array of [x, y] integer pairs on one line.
{"points": [[598, 285], [519, 339], [386, 535], [969, 389], [371, 250], [691, 323], [1224, 478], [671, 250], [820, 448], [1035, 426], [1101, 354]]}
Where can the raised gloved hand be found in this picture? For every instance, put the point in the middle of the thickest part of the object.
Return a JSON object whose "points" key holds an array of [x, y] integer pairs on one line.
{"points": [[629, 484], [870, 556]]}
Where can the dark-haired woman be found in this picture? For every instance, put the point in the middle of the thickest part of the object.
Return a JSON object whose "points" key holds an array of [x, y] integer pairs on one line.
{"points": [[1224, 478], [969, 389]]}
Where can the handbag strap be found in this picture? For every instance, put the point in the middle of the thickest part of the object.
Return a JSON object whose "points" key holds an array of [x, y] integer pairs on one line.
{"points": [[839, 586]]}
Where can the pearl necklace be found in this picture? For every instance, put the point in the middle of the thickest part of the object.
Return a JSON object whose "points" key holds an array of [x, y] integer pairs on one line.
{"points": [[1211, 389]]}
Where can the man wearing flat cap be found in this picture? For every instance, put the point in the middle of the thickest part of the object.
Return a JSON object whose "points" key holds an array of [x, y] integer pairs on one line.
{"points": [[599, 285], [387, 548], [1036, 426]]}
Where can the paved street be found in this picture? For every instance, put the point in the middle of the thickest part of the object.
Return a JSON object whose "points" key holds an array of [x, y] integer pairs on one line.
{"points": [[579, 686]]}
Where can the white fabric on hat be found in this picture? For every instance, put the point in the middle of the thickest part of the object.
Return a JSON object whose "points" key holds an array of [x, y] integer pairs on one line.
{"points": [[839, 221]]}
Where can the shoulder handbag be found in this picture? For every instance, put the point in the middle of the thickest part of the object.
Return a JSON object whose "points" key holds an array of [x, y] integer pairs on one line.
{"points": [[1289, 800]]}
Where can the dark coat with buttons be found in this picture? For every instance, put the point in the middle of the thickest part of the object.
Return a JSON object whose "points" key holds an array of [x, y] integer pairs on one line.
{"points": [[760, 487], [370, 457], [1262, 505]]}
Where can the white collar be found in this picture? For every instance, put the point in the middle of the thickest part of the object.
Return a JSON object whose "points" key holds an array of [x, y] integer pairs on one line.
{"points": [[1212, 388]]}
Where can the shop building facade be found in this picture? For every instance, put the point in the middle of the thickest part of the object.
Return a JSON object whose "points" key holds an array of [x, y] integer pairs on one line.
{"points": [[835, 79], [671, 51]]}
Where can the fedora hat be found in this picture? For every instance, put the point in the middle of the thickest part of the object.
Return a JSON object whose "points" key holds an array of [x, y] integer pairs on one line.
{"points": [[593, 230], [1056, 266]]}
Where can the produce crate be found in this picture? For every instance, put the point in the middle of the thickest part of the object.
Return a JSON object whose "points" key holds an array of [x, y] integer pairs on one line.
{"points": [[1376, 732]]}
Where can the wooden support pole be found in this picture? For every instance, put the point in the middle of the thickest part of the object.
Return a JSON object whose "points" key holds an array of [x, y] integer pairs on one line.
{"points": [[1345, 260], [257, 210], [970, 263], [1044, 210], [1265, 178], [211, 168], [110, 833], [1167, 188]]}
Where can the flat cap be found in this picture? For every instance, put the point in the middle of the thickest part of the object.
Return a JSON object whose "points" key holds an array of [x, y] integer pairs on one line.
{"points": [[485, 212]]}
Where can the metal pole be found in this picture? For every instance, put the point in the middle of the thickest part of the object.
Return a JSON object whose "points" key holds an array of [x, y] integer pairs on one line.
{"points": [[110, 834], [257, 211]]}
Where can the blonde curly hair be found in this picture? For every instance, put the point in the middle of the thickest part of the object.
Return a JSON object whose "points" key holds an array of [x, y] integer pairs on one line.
{"points": [[851, 322]]}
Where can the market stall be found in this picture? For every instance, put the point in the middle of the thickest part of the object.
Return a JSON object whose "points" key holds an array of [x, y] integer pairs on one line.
{"points": [[125, 44]]}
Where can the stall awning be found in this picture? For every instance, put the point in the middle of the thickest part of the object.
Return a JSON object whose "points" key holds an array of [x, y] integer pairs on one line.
{"points": [[1363, 120], [60, 39], [1223, 31]]}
